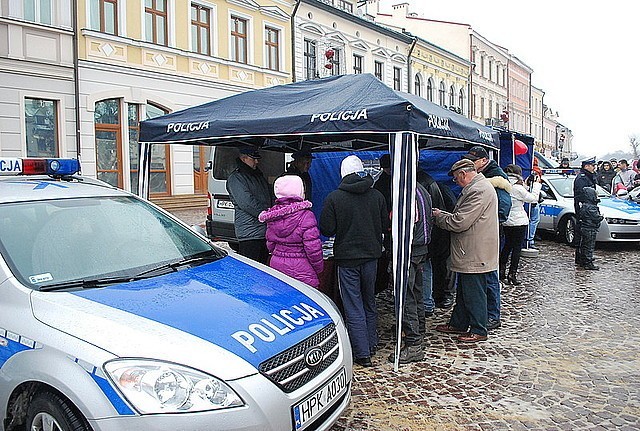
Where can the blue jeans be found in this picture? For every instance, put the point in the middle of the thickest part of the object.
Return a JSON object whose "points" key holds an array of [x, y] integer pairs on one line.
{"points": [[427, 284], [470, 311], [493, 294], [357, 291], [534, 219]]}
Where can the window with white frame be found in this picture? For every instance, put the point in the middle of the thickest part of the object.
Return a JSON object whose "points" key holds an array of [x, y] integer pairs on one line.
{"points": [[417, 86], [41, 126], [442, 94], [357, 63], [200, 29], [397, 78], [452, 96], [378, 70], [310, 53], [272, 47], [156, 25], [336, 61], [461, 101], [37, 11], [238, 39], [103, 16], [430, 90]]}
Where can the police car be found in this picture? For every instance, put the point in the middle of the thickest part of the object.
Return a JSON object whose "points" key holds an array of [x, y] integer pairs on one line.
{"points": [[116, 316], [557, 214]]}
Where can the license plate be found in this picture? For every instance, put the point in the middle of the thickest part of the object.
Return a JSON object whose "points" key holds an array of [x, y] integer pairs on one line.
{"points": [[319, 401], [225, 204]]}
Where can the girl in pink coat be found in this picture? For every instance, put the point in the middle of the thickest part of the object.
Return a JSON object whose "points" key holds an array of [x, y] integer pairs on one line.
{"points": [[293, 238]]}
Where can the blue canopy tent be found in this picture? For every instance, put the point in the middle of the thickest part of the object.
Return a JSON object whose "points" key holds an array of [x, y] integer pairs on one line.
{"points": [[347, 112], [508, 151]]}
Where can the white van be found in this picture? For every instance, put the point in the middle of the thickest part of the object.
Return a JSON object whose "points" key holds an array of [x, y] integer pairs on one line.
{"points": [[221, 163]]}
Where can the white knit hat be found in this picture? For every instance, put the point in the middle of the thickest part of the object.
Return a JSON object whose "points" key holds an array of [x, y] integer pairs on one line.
{"points": [[351, 165]]}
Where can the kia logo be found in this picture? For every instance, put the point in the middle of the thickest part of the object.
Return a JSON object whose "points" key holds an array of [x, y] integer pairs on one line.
{"points": [[313, 356]]}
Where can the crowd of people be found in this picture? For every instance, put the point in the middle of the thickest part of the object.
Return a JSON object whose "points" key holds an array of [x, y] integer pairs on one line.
{"points": [[463, 249], [618, 177]]}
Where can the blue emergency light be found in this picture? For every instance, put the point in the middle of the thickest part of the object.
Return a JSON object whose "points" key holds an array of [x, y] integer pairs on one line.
{"points": [[37, 166]]}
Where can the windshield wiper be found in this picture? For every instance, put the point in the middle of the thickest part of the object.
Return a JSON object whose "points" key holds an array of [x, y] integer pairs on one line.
{"points": [[198, 258], [85, 283]]}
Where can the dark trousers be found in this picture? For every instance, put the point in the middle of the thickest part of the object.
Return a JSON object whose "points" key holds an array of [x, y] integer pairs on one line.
{"points": [[413, 319], [255, 249], [513, 238], [470, 311], [584, 252], [443, 288], [357, 290]]}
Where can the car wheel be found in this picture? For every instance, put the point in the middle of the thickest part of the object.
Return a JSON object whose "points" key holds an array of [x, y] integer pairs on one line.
{"points": [[50, 412], [568, 230]]}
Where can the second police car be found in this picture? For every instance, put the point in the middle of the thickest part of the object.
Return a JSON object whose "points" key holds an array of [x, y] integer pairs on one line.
{"points": [[116, 316], [557, 213]]}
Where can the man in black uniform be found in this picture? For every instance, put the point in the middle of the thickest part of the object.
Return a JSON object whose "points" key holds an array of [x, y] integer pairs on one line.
{"points": [[586, 178]]}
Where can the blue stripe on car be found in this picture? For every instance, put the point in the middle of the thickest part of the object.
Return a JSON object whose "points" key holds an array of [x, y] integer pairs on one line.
{"points": [[218, 301], [628, 207], [114, 397], [550, 210], [10, 348]]}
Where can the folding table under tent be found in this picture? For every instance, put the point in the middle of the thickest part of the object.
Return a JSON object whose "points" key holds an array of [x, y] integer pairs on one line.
{"points": [[346, 112]]}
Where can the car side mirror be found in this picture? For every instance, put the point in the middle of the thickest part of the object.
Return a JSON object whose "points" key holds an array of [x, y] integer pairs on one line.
{"points": [[543, 195], [207, 167]]}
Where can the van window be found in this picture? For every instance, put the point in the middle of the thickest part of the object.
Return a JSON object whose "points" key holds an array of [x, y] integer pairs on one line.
{"points": [[224, 162]]}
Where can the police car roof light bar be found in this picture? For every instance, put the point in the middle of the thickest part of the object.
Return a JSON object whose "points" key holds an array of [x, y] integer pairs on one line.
{"points": [[38, 166]]}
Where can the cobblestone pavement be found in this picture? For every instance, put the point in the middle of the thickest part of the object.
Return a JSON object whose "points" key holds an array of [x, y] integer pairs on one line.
{"points": [[566, 357]]}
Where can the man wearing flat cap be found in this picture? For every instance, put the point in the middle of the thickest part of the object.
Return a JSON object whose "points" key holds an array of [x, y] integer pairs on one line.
{"points": [[473, 224], [300, 166], [586, 178], [250, 194], [500, 182]]}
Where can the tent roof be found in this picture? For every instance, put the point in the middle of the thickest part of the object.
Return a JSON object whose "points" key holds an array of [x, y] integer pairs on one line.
{"points": [[334, 110]]}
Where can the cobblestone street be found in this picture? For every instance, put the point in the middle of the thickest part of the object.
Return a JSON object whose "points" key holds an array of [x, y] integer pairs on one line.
{"points": [[565, 358]]}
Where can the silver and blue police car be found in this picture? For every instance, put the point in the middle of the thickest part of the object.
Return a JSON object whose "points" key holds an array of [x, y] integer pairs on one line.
{"points": [[621, 216], [116, 316]]}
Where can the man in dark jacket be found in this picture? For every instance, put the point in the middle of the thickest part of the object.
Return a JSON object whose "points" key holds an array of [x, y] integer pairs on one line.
{"points": [[586, 178], [589, 218], [500, 182], [413, 319], [250, 194], [300, 166], [442, 287], [357, 215]]}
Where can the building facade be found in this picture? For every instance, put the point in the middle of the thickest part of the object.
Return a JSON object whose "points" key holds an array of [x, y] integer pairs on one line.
{"points": [[333, 38], [519, 103], [537, 101], [37, 79], [140, 59]]}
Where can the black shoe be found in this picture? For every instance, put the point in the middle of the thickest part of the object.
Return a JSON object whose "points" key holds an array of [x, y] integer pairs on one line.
{"points": [[493, 324], [513, 280], [363, 362], [591, 267], [447, 303]]}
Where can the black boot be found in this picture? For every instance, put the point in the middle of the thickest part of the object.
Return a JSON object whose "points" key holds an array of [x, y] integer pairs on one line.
{"points": [[503, 273], [513, 280]]}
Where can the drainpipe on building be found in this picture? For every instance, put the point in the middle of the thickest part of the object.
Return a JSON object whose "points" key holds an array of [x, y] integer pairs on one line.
{"points": [[293, 40], [471, 68], [413, 45], [76, 78]]}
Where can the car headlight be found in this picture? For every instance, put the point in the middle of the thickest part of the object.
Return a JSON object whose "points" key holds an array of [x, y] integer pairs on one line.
{"points": [[161, 387], [612, 220]]}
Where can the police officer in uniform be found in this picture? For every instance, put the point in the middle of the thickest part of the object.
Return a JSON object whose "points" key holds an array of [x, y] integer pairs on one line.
{"points": [[586, 178]]}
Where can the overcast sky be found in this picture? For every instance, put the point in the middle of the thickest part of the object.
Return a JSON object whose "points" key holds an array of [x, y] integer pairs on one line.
{"points": [[584, 55]]}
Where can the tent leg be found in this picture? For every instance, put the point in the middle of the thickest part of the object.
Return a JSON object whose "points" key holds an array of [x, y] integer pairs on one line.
{"points": [[144, 169], [404, 160]]}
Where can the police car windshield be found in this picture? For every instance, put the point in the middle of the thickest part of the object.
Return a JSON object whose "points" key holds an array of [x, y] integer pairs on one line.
{"points": [[564, 187], [50, 243]]}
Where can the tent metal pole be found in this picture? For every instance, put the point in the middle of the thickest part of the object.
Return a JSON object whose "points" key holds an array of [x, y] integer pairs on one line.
{"points": [[144, 169]]}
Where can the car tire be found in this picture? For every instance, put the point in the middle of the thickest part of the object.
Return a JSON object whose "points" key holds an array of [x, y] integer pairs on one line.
{"points": [[568, 230], [49, 411]]}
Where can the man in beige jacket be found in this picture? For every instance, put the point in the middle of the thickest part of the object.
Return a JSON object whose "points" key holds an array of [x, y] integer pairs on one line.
{"points": [[474, 250]]}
